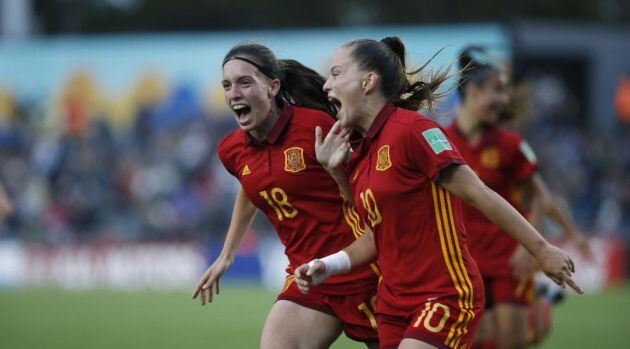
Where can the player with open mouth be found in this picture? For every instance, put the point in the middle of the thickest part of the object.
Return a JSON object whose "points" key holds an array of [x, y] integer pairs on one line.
{"points": [[407, 179], [277, 104]]}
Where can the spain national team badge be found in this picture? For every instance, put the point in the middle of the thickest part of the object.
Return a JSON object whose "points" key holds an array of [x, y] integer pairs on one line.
{"points": [[294, 159], [490, 158], [383, 161]]}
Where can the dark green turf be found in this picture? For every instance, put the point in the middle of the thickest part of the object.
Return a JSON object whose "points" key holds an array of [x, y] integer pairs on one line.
{"points": [[138, 320]]}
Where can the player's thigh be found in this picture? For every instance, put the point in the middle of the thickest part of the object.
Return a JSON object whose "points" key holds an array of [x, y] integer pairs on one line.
{"points": [[486, 329], [410, 343], [511, 325], [290, 325], [540, 321]]}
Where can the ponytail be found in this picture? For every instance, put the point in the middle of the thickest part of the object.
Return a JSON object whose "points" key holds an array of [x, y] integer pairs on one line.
{"points": [[302, 86], [387, 58], [299, 85]]}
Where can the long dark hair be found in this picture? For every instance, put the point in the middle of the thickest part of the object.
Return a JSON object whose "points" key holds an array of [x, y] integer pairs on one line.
{"points": [[299, 85], [387, 58], [472, 70]]}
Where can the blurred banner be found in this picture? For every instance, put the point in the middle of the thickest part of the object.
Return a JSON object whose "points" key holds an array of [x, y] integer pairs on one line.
{"points": [[167, 266], [36, 68]]}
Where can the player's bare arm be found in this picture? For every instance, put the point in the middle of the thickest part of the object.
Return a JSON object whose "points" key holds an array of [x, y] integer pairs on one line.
{"points": [[242, 216], [555, 263]]}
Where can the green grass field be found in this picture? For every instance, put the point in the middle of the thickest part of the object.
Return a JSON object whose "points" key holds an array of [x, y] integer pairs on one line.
{"points": [[55, 319]]}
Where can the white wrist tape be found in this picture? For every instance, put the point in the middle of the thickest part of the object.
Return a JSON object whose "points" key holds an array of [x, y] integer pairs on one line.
{"points": [[337, 263]]}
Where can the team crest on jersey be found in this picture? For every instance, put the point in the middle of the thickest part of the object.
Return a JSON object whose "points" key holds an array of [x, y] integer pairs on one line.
{"points": [[491, 158], [383, 162], [294, 159]]}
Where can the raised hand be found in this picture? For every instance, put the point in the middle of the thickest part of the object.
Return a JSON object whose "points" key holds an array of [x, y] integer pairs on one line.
{"points": [[332, 151]]}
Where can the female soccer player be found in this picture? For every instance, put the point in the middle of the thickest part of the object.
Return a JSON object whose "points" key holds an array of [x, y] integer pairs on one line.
{"points": [[506, 164], [277, 104], [407, 179]]}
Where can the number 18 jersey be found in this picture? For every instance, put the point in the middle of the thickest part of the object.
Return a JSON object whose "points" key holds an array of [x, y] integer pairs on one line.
{"points": [[282, 178]]}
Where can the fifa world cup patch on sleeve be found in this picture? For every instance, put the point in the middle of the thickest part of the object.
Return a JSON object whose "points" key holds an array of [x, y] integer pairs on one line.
{"points": [[528, 152], [294, 159], [436, 139]]}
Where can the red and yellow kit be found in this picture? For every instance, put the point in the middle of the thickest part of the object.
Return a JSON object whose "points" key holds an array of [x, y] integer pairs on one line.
{"points": [[431, 288], [283, 179], [503, 161]]}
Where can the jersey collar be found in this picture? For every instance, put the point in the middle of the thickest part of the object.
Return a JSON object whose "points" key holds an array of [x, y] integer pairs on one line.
{"points": [[276, 131], [380, 120]]}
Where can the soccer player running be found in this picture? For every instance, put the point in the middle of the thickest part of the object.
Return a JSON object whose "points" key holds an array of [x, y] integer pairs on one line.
{"points": [[407, 181], [505, 162], [277, 104]]}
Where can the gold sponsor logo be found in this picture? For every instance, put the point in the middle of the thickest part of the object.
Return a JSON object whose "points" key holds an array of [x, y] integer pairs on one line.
{"points": [[246, 171]]}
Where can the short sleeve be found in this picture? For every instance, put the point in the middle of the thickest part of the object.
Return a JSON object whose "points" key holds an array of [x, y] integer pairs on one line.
{"points": [[225, 158], [430, 150], [525, 163]]}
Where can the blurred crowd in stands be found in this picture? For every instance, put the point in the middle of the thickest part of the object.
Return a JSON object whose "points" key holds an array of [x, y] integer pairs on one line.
{"points": [[82, 166]]}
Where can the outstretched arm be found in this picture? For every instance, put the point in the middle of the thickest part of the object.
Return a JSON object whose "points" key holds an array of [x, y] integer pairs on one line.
{"points": [[242, 216], [558, 213], [464, 183]]}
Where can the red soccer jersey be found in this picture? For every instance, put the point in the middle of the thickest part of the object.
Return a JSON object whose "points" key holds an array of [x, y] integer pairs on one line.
{"points": [[284, 180], [503, 161], [417, 225]]}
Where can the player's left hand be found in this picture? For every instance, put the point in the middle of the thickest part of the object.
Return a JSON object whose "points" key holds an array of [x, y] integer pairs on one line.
{"points": [[522, 263], [309, 275], [558, 266], [584, 248]]}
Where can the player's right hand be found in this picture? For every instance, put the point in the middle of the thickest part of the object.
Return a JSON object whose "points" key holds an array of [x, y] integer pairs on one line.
{"points": [[332, 151], [558, 266], [309, 275], [210, 279]]}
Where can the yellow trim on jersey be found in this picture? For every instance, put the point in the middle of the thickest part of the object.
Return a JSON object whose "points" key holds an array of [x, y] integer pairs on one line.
{"points": [[352, 218], [461, 263], [287, 283], [352, 221], [454, 263]]}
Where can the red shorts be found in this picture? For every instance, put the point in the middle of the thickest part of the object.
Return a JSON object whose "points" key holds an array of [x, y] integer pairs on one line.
{"points": [[506, 289], [441, 323], [540, 320], [356, 311]]}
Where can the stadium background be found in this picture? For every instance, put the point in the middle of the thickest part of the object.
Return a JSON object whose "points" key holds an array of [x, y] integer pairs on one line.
{"points": [[110, 112]]}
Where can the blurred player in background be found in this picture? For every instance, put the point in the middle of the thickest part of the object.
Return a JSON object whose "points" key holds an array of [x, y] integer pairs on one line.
{"points": [[518, 111], [506, 163], [277, 104], [6, 207], [407, 180]]}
